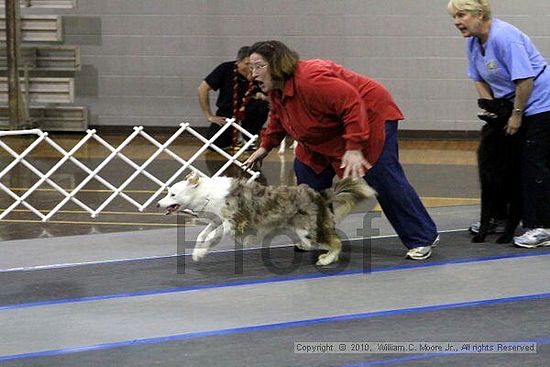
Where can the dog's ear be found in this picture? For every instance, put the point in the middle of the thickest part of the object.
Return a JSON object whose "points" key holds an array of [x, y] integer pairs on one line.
{"points": [[485, 104], [193, 178], [189, 175]]}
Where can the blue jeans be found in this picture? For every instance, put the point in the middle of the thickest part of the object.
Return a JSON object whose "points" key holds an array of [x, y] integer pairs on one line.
{"points": [[398, 199]]}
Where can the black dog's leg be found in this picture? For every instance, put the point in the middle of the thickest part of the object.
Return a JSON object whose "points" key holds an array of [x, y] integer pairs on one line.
{"points": [[514, 216], [508, 234], [485, 219], [513, 192]]}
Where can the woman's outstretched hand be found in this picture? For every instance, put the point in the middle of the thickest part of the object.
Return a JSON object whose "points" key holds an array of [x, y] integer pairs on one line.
{"points": [[354, 163], [255, 158]]}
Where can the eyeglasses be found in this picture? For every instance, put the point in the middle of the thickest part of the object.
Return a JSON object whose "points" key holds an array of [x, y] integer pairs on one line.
{"points": [[255, 67]]}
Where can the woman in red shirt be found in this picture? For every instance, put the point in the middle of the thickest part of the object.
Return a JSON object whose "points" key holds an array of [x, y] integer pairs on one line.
{"points": [[346, 125]]}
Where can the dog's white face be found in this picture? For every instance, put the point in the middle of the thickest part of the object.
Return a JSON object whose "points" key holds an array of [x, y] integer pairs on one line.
{"points": [[183, 196]]}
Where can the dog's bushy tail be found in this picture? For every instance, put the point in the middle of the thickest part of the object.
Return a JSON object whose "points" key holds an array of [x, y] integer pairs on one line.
{"points": [[347, 193]]}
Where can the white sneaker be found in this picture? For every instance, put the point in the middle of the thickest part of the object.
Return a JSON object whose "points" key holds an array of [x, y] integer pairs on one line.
{"points": [[538, 237], [422, 252]]}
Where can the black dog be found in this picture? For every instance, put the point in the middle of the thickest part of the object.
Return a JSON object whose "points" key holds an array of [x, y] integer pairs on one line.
{"points": [[499, 159]]}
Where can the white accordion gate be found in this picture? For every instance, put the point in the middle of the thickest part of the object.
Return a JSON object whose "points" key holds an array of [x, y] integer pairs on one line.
{"points": [[115, 152]]}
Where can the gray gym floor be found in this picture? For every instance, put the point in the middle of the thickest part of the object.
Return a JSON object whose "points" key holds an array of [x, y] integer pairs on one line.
{"points": [[122, 291]]}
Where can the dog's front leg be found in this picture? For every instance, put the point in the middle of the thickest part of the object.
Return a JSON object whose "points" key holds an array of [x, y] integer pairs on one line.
{"points": [[201, 237], [205, 239], [485, 219]]}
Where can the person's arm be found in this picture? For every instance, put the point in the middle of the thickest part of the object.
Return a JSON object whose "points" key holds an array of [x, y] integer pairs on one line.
{"points": [[483, 90], [259, 154], [274, 132], [204, 101], [524, 87], [256, 158], [272, 137]]}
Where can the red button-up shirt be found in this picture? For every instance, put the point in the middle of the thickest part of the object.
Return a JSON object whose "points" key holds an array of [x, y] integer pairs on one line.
{"points": [[328, 110]]}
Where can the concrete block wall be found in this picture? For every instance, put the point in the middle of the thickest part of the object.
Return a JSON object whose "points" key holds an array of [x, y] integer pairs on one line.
{"points": [[143, 59]]}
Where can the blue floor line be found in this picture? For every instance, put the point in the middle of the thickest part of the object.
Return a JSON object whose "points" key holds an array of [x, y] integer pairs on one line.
{"points": [[153, 292], [298, 323], [416, 357]]}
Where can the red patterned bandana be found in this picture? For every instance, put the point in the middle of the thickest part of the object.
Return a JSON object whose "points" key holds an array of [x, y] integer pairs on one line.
{"points": [[239, 104]]}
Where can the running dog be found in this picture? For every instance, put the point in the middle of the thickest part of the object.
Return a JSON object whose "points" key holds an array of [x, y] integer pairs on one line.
{"points": [[249, 208], [498, 158]]}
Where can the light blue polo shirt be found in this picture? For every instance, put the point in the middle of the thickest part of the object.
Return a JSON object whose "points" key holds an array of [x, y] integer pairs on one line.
{"points": [[509, 55]]}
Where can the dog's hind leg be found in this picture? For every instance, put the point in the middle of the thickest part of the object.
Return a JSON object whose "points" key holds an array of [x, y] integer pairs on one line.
{"points": [[509, 231], [305, 241], [508, 234], [335, 247], [514, 217]]}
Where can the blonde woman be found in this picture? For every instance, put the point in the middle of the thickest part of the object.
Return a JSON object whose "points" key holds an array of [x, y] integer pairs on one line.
{"points": [[504, 63]]}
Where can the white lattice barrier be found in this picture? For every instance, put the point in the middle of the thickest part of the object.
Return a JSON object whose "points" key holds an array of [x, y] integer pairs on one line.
{"points": [[115, 152]]}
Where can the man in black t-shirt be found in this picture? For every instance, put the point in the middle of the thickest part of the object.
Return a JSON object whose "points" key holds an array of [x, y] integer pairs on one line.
{"points": [[250, 106]]}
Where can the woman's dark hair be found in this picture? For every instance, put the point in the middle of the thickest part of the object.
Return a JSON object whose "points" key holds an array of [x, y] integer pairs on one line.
{"points": [[243, 52], [281, 59]]}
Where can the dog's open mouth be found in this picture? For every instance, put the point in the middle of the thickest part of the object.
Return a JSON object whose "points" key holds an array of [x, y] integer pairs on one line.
{"points": [[176, 207], [172, 208]]}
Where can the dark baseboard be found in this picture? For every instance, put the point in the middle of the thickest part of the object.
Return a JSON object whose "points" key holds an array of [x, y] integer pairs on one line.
{"points": [[439, 134], [403, 134]]}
